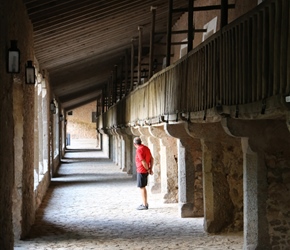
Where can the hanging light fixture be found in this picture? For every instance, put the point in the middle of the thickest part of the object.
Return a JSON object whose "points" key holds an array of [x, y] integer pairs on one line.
{"points": [[29, 73], [13, 58]]}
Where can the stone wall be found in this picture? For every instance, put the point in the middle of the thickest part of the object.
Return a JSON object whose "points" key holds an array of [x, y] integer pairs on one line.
{"points": [[17, 112], [278, 189], [80, 125]]}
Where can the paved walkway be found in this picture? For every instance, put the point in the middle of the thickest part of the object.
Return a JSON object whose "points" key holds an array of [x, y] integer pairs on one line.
{"points": [[92, 205]]}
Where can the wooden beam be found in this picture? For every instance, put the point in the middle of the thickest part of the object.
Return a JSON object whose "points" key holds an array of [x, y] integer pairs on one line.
{"points": [[203, 8], [140, 28], [175, 43], [115, 82], [169, 27], [132, 64], [177, 32], [152, 34], [190, 33], [224, 13], [126, 71]]}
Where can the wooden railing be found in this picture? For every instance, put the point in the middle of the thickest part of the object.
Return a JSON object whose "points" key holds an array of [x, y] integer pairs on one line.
{"points": [[245, 62]]}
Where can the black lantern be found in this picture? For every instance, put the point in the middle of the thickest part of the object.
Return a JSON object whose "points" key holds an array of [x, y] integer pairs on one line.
{"points": [[13, 58], [29, 73]]}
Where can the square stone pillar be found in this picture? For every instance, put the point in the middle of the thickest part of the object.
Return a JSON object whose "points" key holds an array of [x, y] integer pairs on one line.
{"points": [[126, 149], [190, 189], [116, 147], [117, 151], [222, 177], [251, 197], [266, 158], [219, 207], [168, 164]]}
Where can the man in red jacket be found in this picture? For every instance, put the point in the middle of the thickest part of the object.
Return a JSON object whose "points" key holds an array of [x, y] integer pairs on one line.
{"points": [[144, 164]]}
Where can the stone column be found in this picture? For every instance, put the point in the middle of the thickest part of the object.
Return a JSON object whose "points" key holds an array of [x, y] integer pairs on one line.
{"points": [[126, 152], [112, 144], [168, 163], [190, 191], [222, 177], [266, 176], [105, 141], [117, 148]]}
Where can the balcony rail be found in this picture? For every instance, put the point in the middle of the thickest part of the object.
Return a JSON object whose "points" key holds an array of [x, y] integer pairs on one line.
{"points": [[245, 62]]}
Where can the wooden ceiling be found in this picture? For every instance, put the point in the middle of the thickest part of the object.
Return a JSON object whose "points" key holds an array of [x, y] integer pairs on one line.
{"points": [[79, 41]]}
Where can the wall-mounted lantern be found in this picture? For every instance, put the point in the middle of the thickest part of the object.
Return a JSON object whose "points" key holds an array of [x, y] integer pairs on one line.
{"points": [[61, 117], [29, 73], [13, 58], [52, 107]]}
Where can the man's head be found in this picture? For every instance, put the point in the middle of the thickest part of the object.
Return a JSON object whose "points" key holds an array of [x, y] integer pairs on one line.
{"points": [[137, 141]]}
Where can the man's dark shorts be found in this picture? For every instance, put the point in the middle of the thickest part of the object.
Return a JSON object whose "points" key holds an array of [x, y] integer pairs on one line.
{"points": [[142, 180]]}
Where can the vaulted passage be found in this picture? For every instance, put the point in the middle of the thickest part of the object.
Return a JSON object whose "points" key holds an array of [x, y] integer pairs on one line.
{"points": [[90, 204]]}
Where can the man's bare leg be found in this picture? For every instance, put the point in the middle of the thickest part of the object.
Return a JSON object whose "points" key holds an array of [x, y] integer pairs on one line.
{"points": [[144, 195]]}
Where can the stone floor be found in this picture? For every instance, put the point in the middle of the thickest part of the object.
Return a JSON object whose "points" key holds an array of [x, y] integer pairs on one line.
{"points": [[83, 144], [91, 204]]}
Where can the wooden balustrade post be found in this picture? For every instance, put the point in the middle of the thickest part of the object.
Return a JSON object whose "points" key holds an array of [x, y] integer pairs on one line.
{"points": [[169, 32], [152, 33], [126, 72], [140, 28], [132, 65], [190, 26], [115, 84], [224, 12], [121, 80]]}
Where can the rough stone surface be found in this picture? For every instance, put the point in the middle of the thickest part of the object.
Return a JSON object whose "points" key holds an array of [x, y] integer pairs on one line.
{"points": [[267, 209], [91, 204], [80, 124], [15, 26], [278, 213]]}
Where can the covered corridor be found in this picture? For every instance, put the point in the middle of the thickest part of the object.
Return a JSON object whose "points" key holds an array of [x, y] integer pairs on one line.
{"points": [[204, 84], [91, 204]]}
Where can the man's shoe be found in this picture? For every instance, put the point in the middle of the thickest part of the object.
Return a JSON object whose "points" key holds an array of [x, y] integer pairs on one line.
{"points": [[142, 207], [147, 205]]}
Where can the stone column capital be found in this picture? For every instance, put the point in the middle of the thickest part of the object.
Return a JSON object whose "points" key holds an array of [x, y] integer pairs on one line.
{"points": [[135, 131], [178, 130], [121, 132], [207, 131], [144, 131], [157, 131], [103, 131]]}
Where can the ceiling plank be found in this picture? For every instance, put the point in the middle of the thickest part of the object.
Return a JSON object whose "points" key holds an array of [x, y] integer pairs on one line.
{"points": [[79, 42]]}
